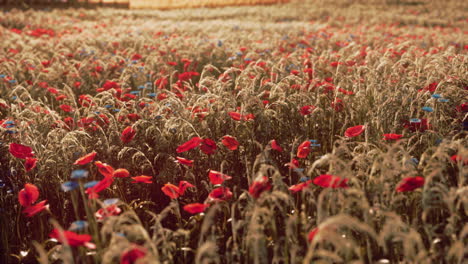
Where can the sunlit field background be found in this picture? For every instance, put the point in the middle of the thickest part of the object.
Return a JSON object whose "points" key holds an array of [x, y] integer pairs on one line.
{"points": [[304, 132]]}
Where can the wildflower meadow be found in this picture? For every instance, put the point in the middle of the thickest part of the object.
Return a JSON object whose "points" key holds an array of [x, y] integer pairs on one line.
{"points": [[307, 132]]}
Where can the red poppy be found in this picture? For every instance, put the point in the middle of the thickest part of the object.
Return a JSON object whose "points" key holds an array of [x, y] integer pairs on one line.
{"points": [[392, 136], [354, 131], [128, 134], [142, 179], [275, 146], [105, 169], [236, 116], [184, 161], [30, 163], [337, 105], [208, 146], [195, 208], [131, 256], [191, 144], [28, 195], [136, 56], [183, 185], [260, 185], [171, 190], [32, 210], [217, 177], [410, 184], [331, 181], [20, 151], [109, 85], [300, 186], [307, 110], [293, 164], [85, 159], [93, 192], [66, 108], [109, 210], [457, 158], [230, 142], [120, 173], [311, 235], [220, 194], [71, 238], [304, 149]]}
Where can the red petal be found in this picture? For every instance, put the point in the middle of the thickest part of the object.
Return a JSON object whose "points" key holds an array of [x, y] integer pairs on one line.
{"points": [[71, 238], [259, 186], [128, 134], [275, 146], [183, 185], [142, 179], [20, 151], [220, 193], [28, 195], [392, 136], [331, 181], [410, 183], [208, 146], [184, 161], [354, 131], [195, 208], [217, 177], [191, 144], [121, 173], [230, 142], [171, 190], [105, 169], [32, 210], [236, 116], [304, 149], [85, 159], [30, 163]]}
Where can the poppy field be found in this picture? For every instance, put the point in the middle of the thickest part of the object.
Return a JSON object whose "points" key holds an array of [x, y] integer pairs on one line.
{"points": [[308, 132]]}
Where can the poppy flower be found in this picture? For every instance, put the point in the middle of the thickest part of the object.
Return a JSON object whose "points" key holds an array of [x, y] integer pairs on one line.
{"points": [[71, 238], [66, 108], [217, 177], [208, 146], [20, 151], [191, 144], [260, 185], [230, 142], [136, 57], [293, 164], [105, 169], [131, 256], [32, 210], [236, 116], [109, 210], [457, 158], [195, 208], [354, 131], [331, 181], [120, 173], [311, 235], [171, 190], [85, 159], [142, 179], [337, 105], [392, 136], [184, 161], [307, 110], [304, 149], [220, 194], [128, 134], [275, 146], [183, 185], [409, 184], [30, 163], [28, 195], [93, 192], [300, 186]]}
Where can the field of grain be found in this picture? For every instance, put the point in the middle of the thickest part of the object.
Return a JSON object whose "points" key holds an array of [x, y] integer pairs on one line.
{"points": [[308, 132]]}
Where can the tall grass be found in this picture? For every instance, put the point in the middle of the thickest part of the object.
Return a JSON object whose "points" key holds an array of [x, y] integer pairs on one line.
{"points": [[382, 52]]}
